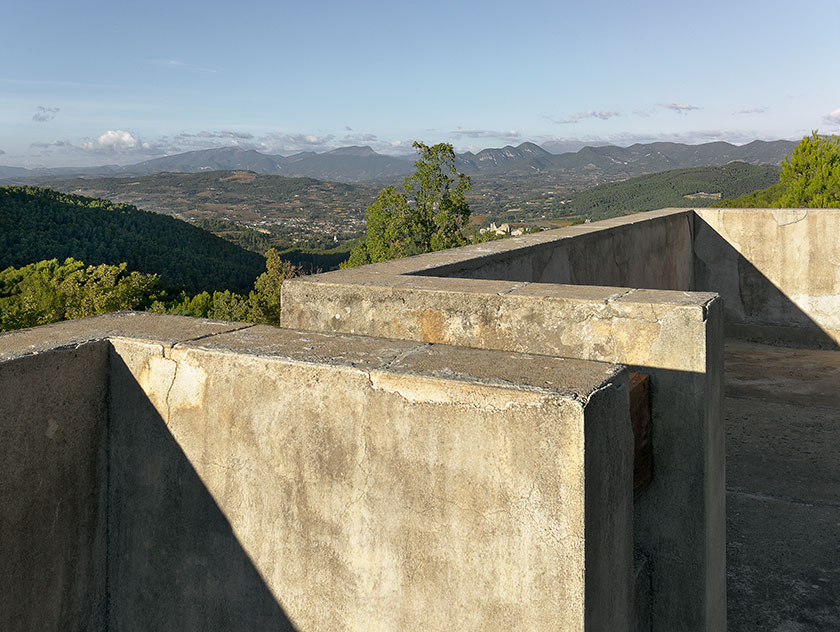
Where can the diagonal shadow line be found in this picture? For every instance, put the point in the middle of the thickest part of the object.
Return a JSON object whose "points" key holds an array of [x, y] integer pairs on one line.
{"points": [[174, 561], [755, 308], [696, 258]]}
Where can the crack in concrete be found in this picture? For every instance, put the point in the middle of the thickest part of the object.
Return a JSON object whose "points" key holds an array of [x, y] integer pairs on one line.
{"points": [[211, 335], [403, 356], [171, 385], [366, 472], [793, 221], [618, 295], [514, 287], [55, 517]]}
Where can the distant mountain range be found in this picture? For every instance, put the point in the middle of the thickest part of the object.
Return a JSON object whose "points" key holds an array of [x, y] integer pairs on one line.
{"points": [[362, 164]]}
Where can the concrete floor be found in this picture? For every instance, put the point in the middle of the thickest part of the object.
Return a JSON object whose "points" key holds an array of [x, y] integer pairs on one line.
{"points": [[783, 488]]}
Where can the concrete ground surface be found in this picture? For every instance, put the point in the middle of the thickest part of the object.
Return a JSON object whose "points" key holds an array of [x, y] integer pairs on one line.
{"points": [[783, 488]]}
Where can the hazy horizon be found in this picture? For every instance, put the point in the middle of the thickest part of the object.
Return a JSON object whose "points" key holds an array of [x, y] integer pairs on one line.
{"points": [[555, 147], [102, 83]]}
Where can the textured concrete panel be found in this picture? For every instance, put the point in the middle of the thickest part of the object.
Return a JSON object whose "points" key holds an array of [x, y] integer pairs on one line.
{"points": [[53, 474], [425, 488], [640, 327], [175, 562], [778, 271], [260, 478]]}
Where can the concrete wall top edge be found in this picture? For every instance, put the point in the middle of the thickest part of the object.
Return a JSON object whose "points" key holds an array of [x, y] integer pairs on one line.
{"points": [[425, 263], [169, 330], [706, 210], [524, 290], [547, 375]]}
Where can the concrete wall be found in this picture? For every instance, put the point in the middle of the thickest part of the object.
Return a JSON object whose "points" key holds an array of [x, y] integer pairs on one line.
{"points": [[54, 468], [261, 478], [778, 271], [674, 336], [53, 475], [647, 250]]}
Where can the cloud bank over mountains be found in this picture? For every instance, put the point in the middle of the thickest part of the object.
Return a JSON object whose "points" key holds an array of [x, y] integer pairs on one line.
{"points": [[833, 118], [122, 146], [510, 135]]}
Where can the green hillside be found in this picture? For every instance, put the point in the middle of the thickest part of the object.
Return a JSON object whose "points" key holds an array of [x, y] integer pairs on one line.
{"points": [[40, 224], [693, 187], [763, 198]]}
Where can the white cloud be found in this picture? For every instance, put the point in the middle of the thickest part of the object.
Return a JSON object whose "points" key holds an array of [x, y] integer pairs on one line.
{"points": [[119, 143], [358, 139], [833, 118], [397, 147], [757, 110], [225, 133], [586, 114], [680, 108], [280, 143], [486, 133], [54, 143], [115, 140], [45, 115]]}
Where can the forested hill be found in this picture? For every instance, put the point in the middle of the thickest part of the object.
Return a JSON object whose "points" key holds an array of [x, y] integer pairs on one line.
{"points": [[38, 224], [698, 186]]}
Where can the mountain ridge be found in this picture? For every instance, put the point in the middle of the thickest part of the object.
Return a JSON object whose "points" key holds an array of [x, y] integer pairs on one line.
{"points": [[354, 164]]}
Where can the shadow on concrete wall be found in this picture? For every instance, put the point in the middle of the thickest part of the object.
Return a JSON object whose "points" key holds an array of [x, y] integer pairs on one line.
{"points": [[174, 562], [755, 309], [653, 254]]}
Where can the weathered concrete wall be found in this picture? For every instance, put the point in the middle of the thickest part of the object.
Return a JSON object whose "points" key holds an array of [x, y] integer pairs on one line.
{"points": [[52, 486], [675, 336], [259, 478], [54, 466], [778, 271], [646, 250], [176, 563], [374, 484]]}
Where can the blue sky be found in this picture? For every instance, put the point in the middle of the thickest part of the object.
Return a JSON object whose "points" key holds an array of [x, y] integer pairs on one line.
{"points": [[112, 82]]}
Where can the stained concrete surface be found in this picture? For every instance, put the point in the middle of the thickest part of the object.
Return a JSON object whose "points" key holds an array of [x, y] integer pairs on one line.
{"points": [[674, 336], [190, 474], [783, 488], [405, 495], [776, 270]]}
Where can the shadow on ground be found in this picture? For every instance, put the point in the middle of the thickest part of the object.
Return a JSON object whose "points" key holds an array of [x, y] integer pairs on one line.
{"points": [[783, 488]]}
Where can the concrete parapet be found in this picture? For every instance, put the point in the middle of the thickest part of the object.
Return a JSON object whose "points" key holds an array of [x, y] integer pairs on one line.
{"points": [[441, 441], [247, 477], [646, 250], [673, 335]]}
